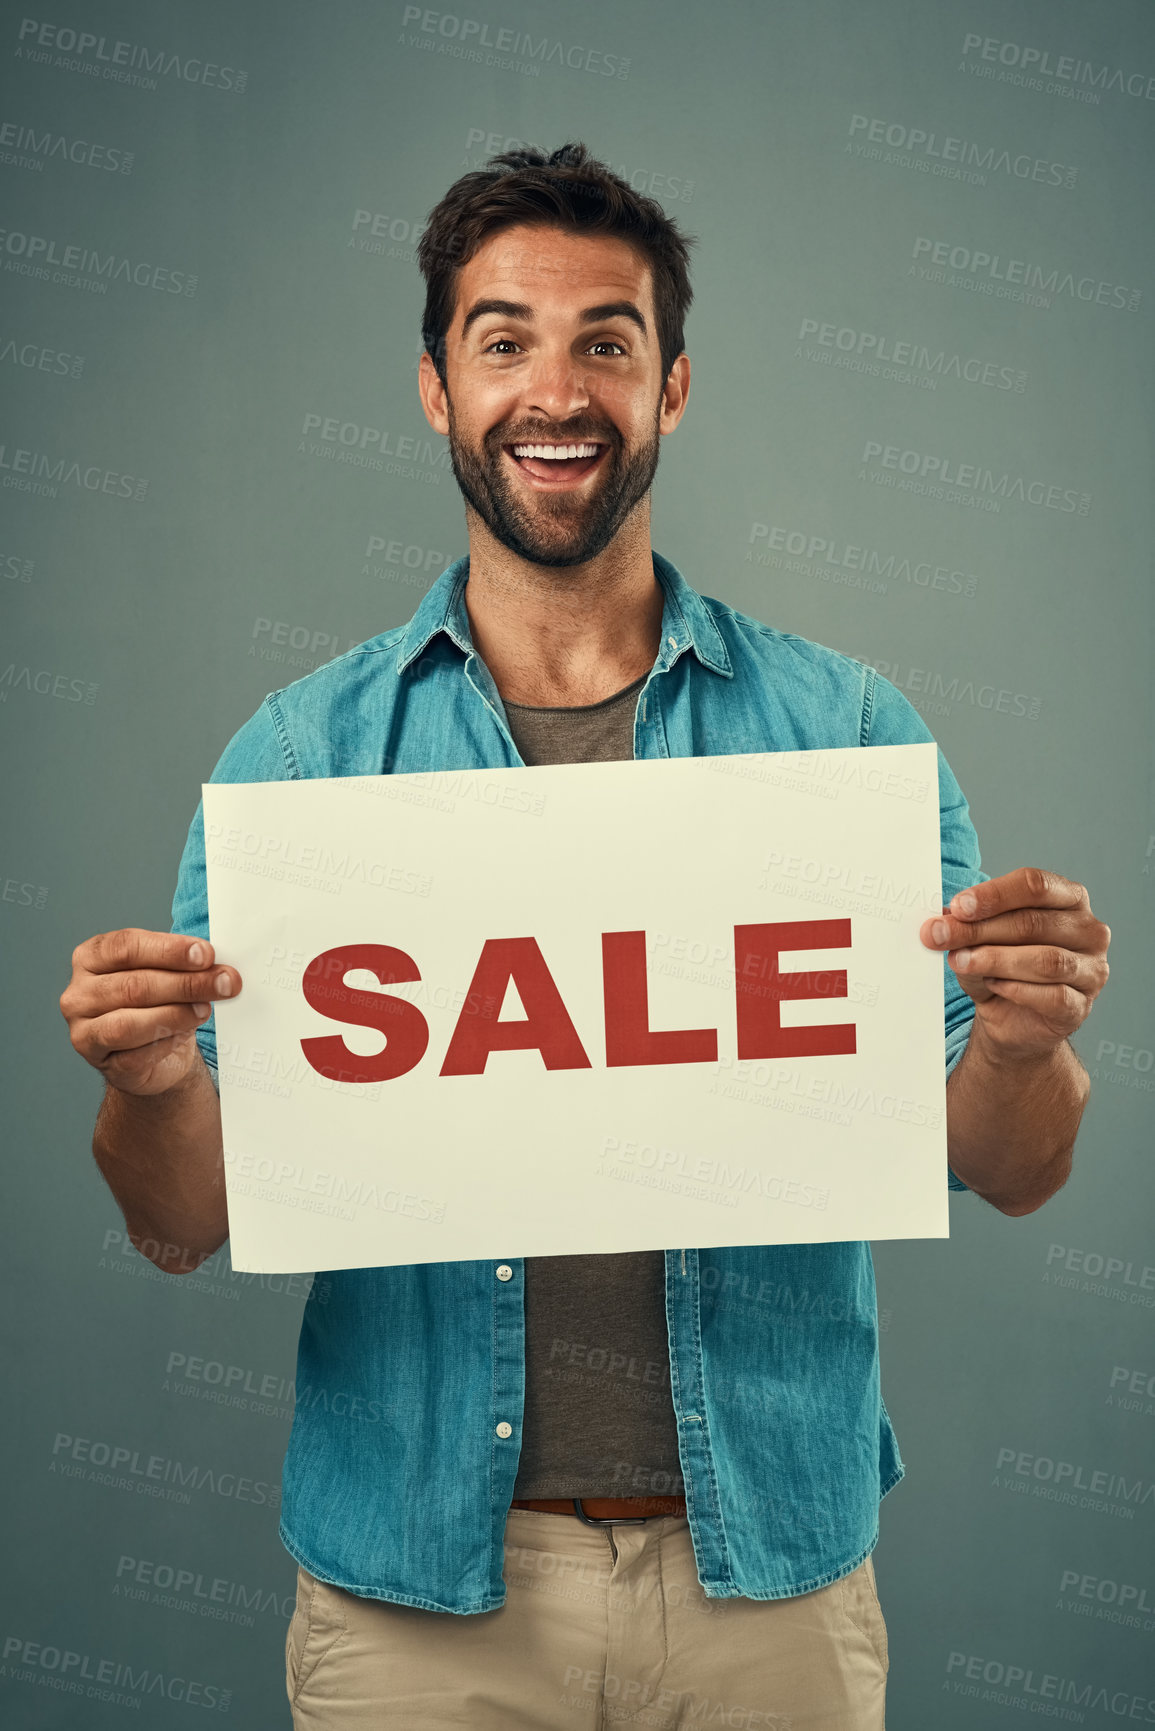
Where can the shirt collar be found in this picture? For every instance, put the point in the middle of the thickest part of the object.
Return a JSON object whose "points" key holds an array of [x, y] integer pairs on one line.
{"points": [[687, 622]]}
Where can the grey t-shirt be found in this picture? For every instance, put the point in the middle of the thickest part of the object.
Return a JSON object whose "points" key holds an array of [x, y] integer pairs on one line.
{"points": [[599, 1417]]}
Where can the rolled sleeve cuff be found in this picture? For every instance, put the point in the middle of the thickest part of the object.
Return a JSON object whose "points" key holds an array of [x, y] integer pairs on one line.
{"points": [[956, 1042], [207, 1044]]}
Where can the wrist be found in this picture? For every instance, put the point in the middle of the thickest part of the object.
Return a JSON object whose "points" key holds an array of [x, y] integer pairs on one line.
{"points": [[1017, 1059], [161, 1102]]}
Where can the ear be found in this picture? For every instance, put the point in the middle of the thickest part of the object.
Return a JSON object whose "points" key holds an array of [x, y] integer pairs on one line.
{"points": [[434, 398], [674, 393]]}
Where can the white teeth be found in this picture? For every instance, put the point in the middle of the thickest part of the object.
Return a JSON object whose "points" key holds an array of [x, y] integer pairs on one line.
{"points": [[556, 452]]}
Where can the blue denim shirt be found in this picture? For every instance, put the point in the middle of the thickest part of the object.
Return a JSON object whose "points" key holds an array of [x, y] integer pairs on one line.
{"points": [[410, 1381]]}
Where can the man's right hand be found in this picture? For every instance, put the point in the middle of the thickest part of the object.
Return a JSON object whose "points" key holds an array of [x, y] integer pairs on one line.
{"points": [[135, 1001]]}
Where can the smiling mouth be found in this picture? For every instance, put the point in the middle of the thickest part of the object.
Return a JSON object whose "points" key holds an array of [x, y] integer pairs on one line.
{"points": [[548, 464]]}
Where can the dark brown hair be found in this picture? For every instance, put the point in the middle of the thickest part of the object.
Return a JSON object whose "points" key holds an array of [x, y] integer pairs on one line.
{"points": [[567, 189]]}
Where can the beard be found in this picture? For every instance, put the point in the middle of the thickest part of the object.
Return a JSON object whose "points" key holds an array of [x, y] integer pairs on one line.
{"points": [[553, 529]]}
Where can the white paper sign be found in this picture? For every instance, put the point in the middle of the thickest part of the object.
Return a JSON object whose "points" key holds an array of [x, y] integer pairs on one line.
{"points": [[542, 1011]]}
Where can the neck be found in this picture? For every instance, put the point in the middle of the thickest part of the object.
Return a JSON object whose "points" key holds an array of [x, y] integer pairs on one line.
{"points": [[560, 638]]}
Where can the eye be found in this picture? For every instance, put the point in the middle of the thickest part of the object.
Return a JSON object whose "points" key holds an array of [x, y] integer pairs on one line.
{"points": [[608, 342], [506, 342]]}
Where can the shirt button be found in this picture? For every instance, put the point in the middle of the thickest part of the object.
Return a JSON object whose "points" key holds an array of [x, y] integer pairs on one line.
{"points": [[504, 1271], [504, 1429]]}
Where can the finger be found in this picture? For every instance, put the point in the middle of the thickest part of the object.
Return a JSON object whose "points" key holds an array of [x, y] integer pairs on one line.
{"points": [[129, 1030], [148, 988], [1062, 1008], [131, 947], [125, 1068], [975, 988], [1070, 928], [1038, 963], [1029, 886]]}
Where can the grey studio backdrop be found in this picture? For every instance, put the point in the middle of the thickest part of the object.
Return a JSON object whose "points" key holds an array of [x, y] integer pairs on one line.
{"points": [[919, 431]]}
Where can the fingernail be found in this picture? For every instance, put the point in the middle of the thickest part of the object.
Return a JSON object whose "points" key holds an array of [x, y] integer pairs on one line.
{"points": [[196, 955], [224, 985], [962, 960], [966, 903], [202, 1010], [939, 931]]}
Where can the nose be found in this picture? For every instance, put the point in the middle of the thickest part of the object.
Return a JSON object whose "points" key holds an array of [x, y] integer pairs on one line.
{"points": [[556, 389]]}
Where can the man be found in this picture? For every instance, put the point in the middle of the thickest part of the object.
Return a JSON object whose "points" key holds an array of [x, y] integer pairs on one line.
{"points": [[680, 1532]]}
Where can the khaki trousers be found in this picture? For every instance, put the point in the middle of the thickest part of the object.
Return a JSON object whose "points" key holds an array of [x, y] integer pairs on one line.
{"points": [[601, 1627]]}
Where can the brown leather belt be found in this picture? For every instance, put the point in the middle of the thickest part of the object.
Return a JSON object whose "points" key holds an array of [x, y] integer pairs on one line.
{"points": [[595, 1510]]}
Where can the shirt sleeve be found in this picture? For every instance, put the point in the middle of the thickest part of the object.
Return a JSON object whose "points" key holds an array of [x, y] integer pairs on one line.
{"points": [[893, 720], [254, 753]]}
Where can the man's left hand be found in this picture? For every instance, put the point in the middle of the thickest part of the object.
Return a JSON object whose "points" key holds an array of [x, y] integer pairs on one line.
{"points": [[1029, 951]]}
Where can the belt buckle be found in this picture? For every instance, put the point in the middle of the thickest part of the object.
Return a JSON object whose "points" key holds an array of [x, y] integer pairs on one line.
{"points": [[610, 1520]]}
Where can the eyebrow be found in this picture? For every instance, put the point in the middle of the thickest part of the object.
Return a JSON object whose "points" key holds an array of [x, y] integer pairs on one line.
{"points": [[521, 310]]}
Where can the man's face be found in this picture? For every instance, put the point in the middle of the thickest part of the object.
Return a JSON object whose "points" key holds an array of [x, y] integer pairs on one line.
{"points": [[553, 343]]}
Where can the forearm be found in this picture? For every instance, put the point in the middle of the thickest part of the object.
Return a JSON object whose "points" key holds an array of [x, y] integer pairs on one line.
{"points": [[1012, 1122], [161, 1156]]}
